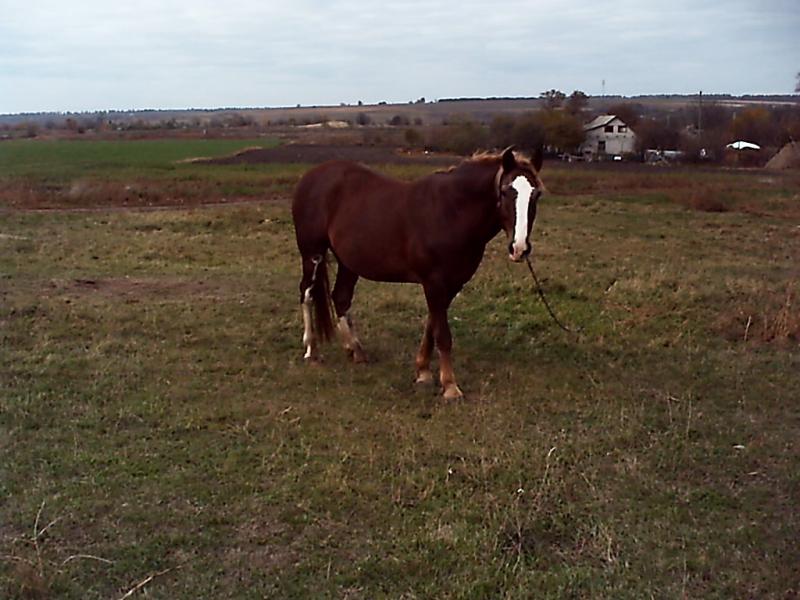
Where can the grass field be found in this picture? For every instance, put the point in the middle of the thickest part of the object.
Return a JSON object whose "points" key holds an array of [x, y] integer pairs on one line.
{"points": [[142, 173], [160, 434]]}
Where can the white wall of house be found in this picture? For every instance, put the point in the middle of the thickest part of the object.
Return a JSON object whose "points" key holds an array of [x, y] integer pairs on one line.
{"points": [[608, 136]]}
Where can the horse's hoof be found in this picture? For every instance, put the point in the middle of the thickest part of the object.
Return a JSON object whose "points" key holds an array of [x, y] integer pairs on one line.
{"points": [[425, 377], [452, 392], [358, 356], [312, 361]]}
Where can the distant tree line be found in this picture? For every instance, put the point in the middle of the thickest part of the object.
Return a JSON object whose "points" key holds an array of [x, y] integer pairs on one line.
{"points": [[557, 128], [699, 129], [703, 130]]}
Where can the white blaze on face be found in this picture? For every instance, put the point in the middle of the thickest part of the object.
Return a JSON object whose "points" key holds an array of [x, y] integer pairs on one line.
{"points": [[524, 192]]}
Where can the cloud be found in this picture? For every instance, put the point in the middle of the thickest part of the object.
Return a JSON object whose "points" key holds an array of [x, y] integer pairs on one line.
{"points": [[173, 53]]}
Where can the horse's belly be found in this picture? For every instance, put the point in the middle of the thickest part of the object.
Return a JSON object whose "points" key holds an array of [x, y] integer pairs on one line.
{"points": [[374, 259]]}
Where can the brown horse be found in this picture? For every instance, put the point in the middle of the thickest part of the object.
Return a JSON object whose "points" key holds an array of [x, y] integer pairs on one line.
{"points": [[432, 231]]}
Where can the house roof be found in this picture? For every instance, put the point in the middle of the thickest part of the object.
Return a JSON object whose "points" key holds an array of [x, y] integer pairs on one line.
{"points": [[600, 121]]}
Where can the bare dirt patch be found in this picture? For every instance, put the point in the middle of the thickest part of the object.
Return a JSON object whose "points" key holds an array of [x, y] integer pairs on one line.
{"points": [[131, 289], [318, 153], [200, 159], [88, 194]]}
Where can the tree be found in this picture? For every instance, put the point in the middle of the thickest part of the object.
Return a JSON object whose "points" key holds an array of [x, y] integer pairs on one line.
{"points": [[413, 138], [754, 125], [501, 131], [528, 134], [363, 119], [627, 112], [553, 98], [715, 116], [576, 102], [563, 132], [657, 134], [462, 136], [559, 130]]}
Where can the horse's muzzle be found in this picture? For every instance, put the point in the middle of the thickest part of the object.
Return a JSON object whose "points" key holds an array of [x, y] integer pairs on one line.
{"points": [[518, 255]]}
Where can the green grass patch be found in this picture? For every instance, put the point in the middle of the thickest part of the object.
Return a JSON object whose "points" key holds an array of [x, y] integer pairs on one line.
{"points": [[62, 159]]}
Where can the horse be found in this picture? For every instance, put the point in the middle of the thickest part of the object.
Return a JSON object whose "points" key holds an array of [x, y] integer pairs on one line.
{"points": [[432, 231]]}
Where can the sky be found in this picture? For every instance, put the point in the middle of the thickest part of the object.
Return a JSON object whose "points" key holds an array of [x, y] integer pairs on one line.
{"points": [[68, 55]]}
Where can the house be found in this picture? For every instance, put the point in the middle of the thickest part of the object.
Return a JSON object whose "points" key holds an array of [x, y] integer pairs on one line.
{"points": [[607, 136]]}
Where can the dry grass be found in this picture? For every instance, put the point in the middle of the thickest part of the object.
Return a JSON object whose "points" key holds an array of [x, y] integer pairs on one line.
{"points": [[774, 319], [153, 394]]}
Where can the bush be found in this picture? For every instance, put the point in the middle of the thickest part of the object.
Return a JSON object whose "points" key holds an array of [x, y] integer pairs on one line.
{"points": [[413, 138], [501, 131], [462, 136], [556, 129]]}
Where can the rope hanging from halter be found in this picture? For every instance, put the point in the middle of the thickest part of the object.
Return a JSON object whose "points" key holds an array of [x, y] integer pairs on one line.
{"points": [[544, 300]]}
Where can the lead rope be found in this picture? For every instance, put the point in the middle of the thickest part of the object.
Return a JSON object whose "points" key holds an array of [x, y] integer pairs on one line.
{"points": [[546, 303]]}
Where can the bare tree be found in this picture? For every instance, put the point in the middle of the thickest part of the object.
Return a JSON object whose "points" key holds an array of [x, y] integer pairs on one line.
{"points": [[577, 102], [553, 98]]}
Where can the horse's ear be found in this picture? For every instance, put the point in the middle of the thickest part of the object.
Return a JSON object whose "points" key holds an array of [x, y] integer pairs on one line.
{"points": [[509, 162], [538, 158]]}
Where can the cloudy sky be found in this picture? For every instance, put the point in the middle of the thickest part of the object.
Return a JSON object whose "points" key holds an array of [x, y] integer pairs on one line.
{"points": [[98, 54]]}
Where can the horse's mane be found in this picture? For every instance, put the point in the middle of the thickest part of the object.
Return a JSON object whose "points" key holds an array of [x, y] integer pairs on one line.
{"points": [[490, 157], [485, 157]]}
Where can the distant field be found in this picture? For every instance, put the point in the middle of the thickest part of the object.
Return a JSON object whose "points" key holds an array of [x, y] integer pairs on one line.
{"points": [[63, 174], [51, 160], [160, 432]]}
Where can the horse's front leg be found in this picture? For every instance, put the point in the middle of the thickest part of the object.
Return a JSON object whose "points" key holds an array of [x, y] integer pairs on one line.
{"points": [[438, 303], [423, 359]]}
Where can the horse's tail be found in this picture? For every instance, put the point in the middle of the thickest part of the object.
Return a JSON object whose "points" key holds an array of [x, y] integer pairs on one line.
{"points": [[320, 294]]}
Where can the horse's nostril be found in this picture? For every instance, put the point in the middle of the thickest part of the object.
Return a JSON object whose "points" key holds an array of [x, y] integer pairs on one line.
{"points": [[528, 249], [511, 249]]}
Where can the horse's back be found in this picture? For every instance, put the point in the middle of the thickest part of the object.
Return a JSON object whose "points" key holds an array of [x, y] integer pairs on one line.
{"points": [[347, 190], [313, 201], [362, 215]]}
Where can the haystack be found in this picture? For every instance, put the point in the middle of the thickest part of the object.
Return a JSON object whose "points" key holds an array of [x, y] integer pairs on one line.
{"points": [[787, 158]]}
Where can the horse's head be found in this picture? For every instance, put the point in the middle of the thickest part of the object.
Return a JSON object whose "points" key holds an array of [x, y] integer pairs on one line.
{"points": [[518, 189]]}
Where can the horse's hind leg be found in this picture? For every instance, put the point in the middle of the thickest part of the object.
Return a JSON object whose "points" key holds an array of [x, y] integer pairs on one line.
{"points": [[342, 296], [310, 341]]}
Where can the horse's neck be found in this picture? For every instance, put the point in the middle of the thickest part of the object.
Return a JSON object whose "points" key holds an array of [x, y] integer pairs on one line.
{"points": [[474, 190]]}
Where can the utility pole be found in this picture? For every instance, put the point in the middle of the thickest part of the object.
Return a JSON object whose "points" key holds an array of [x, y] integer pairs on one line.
{"points": [[700, 113]]}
